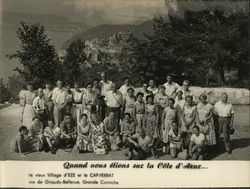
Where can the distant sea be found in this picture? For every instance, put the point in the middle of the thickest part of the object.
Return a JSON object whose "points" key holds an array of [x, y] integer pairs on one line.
{"points": [[10, 43]]}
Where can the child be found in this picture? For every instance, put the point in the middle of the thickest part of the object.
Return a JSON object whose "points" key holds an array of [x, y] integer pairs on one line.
{"points": [[111, 131], [127, 127], [36, 132], [52, 136], [83, 142], [19, 144], [175, 140], [196, 144]]}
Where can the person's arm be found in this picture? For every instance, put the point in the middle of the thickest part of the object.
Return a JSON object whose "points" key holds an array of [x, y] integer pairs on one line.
{"points": [[105, 124], [232, 121], [24, 104], [131, 140], [134, 114], [19, 145], [198, 118], [163, 118], [210, 115], [190, 148], [193, 118]]}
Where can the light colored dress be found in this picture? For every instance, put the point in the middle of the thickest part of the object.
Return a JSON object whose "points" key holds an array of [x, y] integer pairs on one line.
{"points": [[77, 108], [84, 140], [170, 116], [28, 112], [179, 104], [208, 128], [151, 129], [139, 109], [130, 101], [189, 114]]}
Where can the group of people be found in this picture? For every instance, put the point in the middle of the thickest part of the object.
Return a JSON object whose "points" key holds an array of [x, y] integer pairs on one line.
{"points": [[103, 117]]}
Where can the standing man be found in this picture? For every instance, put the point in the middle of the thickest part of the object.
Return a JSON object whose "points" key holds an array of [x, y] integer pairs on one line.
{"points": [[105, 86], [225, 113], [59, 100], [152, 87], [171, 87], [185, 89], [114, 101], [123, 89], [40, 108]]}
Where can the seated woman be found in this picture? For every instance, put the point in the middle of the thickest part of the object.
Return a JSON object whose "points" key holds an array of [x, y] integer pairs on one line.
{"points": [[52, 136], [83, 142], [98, 135], [36, 133], [111, 131], [68, 131], [196, 144], [175, 140], [21, 143], [127, 127]]}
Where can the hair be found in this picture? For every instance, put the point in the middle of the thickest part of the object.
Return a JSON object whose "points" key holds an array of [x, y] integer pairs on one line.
{"points": [[186, 81], [36, 117], [203, 95], [22, 128], [224, 93], [111, 112], [149, 96], [75, 83], [138, 94], [125, 78], [188, 96], [130, 89], [89, 83], [161, 87], [196, 127], [84, 115], [171, 99], [169, 75], [179, 91], [67, 84], [174, 122], [128, 114], [67, 114]]}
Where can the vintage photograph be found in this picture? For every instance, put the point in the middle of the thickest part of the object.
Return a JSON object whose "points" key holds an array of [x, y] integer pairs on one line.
{"points": [[124, 80]]}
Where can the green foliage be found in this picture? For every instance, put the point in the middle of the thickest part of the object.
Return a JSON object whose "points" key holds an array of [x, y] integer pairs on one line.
{"points": [[37, 57]]}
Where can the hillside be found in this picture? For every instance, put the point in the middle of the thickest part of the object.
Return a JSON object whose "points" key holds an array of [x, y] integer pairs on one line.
{"points": [[105, 30]]}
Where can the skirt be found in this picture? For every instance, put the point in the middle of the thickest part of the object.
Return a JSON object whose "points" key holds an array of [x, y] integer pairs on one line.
{"points": [[28, 115]]}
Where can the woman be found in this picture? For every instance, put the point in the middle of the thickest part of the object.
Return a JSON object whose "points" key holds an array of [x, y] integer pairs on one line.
{"points": [[205, 122], [98, 135], [36, 132], [52, 136], [21, 95], [48, 100], [69, 99], [139, 112], [28, 112], [129, 101], [89, 99], [169, 116], [127, 127], [179, 104], [83, 142], [77, 107]]}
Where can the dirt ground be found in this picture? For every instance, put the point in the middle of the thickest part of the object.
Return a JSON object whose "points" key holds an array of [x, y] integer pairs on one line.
{"points": [[10, 122]]}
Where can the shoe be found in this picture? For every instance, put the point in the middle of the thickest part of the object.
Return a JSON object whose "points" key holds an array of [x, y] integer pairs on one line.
{"points": [[53, 151]]}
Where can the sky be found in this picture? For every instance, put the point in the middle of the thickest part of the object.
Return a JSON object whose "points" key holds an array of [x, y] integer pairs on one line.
{"points": [[92, 12]]}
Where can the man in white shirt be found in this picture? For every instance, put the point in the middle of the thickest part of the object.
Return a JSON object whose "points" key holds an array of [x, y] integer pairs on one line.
{"points": [[39, 107], [152, 87], [225, 114], [123, 89], [171, 87], [196, 144], [114, 102], [59, 100], [185, 90]]}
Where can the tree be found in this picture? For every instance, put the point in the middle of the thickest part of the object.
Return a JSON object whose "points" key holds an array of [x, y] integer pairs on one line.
{"points": [[37, 57], [74, 60]]}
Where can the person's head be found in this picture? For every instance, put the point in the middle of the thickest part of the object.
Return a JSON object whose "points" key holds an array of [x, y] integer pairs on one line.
{"points": [[23, 130], [127, 116], [130, 91], [189, 100], [67, 86], [59, 84], [174, 126], [30, 86], [40, 92], [151, 83], [84, 117], [179, 94], [161, 89], [196, 130], [95, 119], [171, 102], [112, 115], [145, 86], [114, 87], [67, 117], [169, 78], [50, 123], [142, 133], [95, 82], [150, 99], [224, 97], [203, 98], [36, 119], [103, 76], [139, 96], [47, 86], [126, 81], [89, 86], [76, 86], [186, 84]]}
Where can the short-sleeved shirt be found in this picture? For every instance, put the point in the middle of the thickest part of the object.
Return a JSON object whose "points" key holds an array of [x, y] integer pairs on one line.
{"points": [[223, 109], [105, 87], [153, 90], [123, 89], [47, 94], [176, 137], [127, 126], [144, 143], [161, 100], [197, 139], [39, 103], [67, 127], [171, 88], [114, 100], [110, 124], [59, 95], [77, 96], [55, 130]]}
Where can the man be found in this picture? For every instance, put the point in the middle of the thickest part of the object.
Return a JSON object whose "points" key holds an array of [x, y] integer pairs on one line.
{"points": [[152, 87], [196, 146], [225, 113], [171, 87], [105, 86], [185, 89], [59, 100], [145, 91], [114, 101], [47, 92], [142, 145], [39, 107], [123, 89], [68, 131]]}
